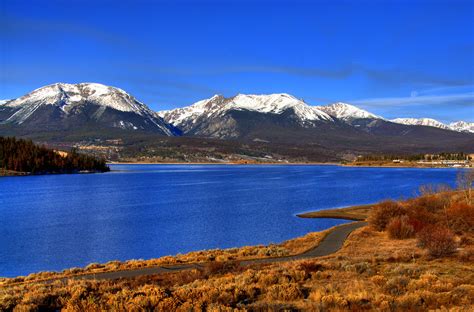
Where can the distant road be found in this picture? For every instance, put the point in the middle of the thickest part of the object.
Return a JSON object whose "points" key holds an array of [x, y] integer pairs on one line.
{"points": [[328, 245]]}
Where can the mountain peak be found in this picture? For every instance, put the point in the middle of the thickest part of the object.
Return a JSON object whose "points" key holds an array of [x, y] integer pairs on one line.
{"points": [[462, 126], [90, 100], [217, 105], [421, 122], [276, 103], [346, 111], [67, 96]]}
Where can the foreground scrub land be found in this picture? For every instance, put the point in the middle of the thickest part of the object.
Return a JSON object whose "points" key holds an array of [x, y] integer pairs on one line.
{"points": [[413, 255]]}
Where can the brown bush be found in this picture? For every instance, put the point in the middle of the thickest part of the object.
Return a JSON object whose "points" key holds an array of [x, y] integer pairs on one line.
{"points": [[416, 224], [461, 217], [439, 240], [467, 255], [284, 292], [218, 267], [400, 228], [383, 212], [311, 266], [421, 214], [434, 202], [397, 286]]}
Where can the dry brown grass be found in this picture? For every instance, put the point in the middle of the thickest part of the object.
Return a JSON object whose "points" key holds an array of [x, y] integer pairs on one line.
{"points": [[371, 272], [356, 213]]}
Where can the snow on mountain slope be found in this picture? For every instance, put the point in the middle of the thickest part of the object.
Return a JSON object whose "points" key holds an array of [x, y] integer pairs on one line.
{"points": [[68, 95], [421, 122], [462, 126], [2, 102], [268, 104], [70, 98], [346, 111], [191, 113], [277, 104]]}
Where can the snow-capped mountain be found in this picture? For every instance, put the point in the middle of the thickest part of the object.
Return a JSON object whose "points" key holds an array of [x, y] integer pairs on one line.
{"points": [[267, 104], [276, 104], [420, 122], [206, 111], [90, 110], [458, 126], [222, 117], [179, 117], [346, 111], [462, 126], [77, 104]]}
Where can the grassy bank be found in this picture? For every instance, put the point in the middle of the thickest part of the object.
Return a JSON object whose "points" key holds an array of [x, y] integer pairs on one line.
{"points": [[356, 213]]}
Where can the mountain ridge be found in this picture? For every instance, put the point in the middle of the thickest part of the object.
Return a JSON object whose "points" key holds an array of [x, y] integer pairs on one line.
{"points": [[72, 94], [339, 110], [458, 126], [91, 112]]}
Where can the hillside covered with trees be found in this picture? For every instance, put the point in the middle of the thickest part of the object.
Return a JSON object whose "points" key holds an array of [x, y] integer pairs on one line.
{"points": [[23, 156]]}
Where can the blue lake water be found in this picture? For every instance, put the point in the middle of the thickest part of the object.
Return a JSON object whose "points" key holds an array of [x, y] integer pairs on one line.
{"points": [[54, 222]]}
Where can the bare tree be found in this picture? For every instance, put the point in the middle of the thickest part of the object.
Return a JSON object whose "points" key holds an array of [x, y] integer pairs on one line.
{"points": [[465, 181]]}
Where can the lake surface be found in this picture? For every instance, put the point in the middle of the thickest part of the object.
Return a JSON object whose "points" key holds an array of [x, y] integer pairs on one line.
{"points": [[54, 222]]}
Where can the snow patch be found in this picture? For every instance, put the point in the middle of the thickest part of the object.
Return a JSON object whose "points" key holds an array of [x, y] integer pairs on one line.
{"points": [[421, 122], [347, 112], [462, 126]]}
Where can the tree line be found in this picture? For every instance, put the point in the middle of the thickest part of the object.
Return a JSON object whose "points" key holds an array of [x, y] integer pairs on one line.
{"points": [[24, 156]]}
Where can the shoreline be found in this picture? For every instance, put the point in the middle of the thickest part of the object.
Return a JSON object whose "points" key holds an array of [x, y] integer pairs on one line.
{"points": [[183, 265], [23, 174], [285, 164], [353, 213], [345, 213], [228, 163], [407, 165]]}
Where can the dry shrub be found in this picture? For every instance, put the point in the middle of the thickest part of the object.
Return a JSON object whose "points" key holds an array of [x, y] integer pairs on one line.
{"points": [[383, 212], [465, 183], [400, 228], [311, 266], [436, 199], [419, 215], [284, 292], [271, 306], [397, 286], [431, 203], [416, 224], [217, 267], [466, 255], [461, 217], [439, 240]]}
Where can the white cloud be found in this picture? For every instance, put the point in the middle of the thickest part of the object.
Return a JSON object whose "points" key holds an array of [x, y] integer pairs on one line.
{"points": [[463, 99]]}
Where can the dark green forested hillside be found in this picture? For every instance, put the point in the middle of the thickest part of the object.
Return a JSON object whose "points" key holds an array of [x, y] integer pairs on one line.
{"points": [[18, 155]]}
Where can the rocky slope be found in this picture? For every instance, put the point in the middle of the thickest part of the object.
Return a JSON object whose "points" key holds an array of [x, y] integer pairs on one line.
{"points": [[73, 106]]}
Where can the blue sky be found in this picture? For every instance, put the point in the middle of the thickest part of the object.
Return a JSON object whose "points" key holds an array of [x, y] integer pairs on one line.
{"points": [[394, 58]]}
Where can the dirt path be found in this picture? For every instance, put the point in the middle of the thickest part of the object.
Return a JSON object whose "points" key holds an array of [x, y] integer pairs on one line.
{"points": [[330, 244]]}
